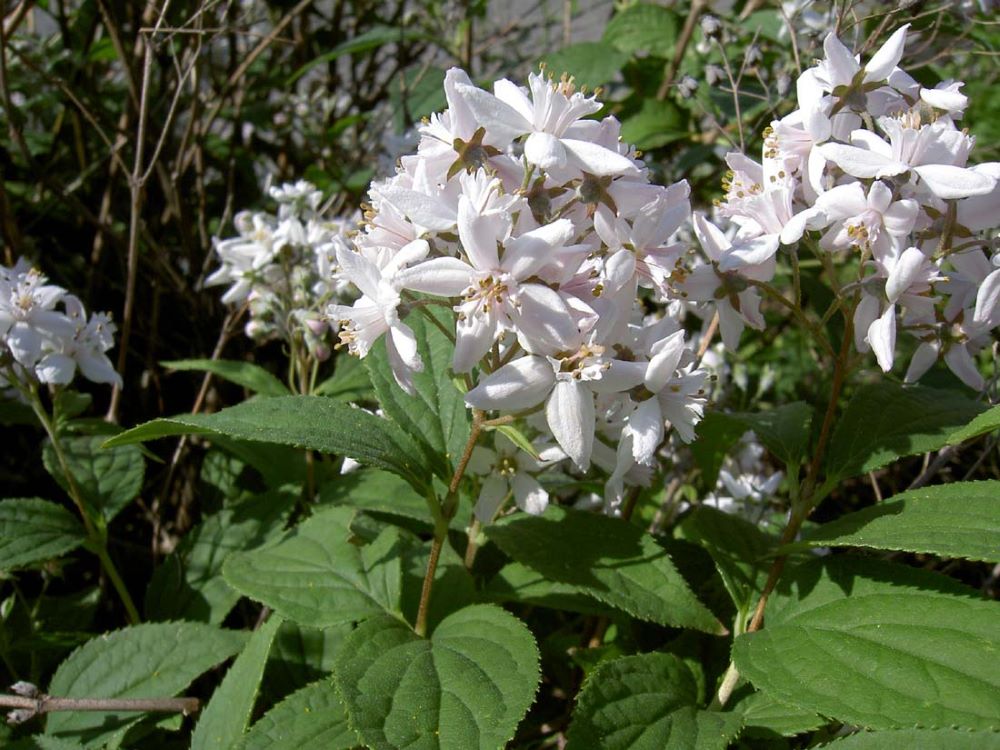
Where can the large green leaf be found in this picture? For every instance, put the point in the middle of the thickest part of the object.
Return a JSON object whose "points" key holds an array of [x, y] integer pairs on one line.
{"points": [[646, 702], [919, 739], [313, 422], [247, 374], [34, 530], [589, 63], [108, 478], [145, 661], [657, 123], [878, 645], [300, 655], [885, 421], [227, 715], [349, 382], [950, 520], [435, 417], [188, 584], [763, 715], [316, 576], [518, 583], [784, 431], [312, 718], [466, 687], [986, 422], [643, 27], [371, 489], [739, 549], [716, 436], [607, 558]]}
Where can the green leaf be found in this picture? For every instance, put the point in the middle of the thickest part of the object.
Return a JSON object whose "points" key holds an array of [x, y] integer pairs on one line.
{"points": [[312, 718], [643, 27], [610, 559], [784, 431], [349, 382], [188, 584], [878, 645], [34, 530], [227, 715], [885, 421], [950, 520], [251, 376], [316, 576], [985, 422], [301, 655], [435, 417], [41, 742], [466, 687], [145, 661], [739, 549], [303, 421], [108, 478], [370, 489], [590, 64], [765, 716], [519, 583], [919, 739], [657, 123], [717, 434], [646, 702]]}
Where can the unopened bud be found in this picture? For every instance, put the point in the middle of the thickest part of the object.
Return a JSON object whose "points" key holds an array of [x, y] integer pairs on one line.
{"points": [[710, 26], [687, 86]]}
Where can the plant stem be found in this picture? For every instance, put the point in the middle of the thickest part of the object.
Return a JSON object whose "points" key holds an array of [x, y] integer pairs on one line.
{"points": [[44, 704], [447, 512]]}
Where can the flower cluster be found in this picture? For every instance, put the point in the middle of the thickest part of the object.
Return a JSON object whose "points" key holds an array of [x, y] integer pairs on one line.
{"points": [[871, 170], [47, 334], [540, 231], [282, 267]]}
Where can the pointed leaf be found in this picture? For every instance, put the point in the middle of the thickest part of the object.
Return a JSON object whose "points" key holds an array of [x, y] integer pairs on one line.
{"points": [[951, 520], [646, 702], [466, 687], [349, 383], [247, 374], [919, 739], [316, 576], [607, 558], [885, 421], [980, 425], [108, 478], [878, 645], [303, 421], [145, 661], [227, 714], [34, 530]]}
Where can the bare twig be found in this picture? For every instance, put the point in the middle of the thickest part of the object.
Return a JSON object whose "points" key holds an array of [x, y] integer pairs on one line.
{"points": [[28, 708]]}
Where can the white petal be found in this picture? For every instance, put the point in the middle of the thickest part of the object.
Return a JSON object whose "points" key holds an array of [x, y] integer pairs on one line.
{"points": [[947, 182], [664, 362], [56, 368], [882, 338], [544, 319], [865, 314], [750, 252], [525, 255], [445, 277], [474, 335], [646, 426], [925, 356], [960, 362], [503, 123], [479, 235], [570, 415], [596, 159], [859, 162], [491, 495], [545, 150], [529, 495], [887, 57], [839, 61], [904, 273], [988, 301], [523, 383]]}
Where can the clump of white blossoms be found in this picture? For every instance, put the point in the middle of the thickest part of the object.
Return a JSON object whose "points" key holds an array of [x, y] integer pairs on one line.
{"points": [[870, 170], [281, 266], [47, 335], [536, 228]]}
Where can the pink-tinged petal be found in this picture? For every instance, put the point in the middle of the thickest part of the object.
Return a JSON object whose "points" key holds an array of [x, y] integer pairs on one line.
{"points": [[949, 182], [887, 57], [570, 414], [479, 235], [710, 237], [750, 308], [904, 273], [444, 277], [529, 495], [925, 356], [859, 162], [982, 211], [842, 201], [750, 252], [523, 256], [491, 496], [960, 362], [544, 319], [646, 427], [360, 271], [882, 338], [666, 357], [545, 150], [55, 368], [503, 123], [731, 325], [619, 269], [796, 226], [840, 63], [474, 335], [701, 284], [606, 225], [596, 159], [523, 383], [865, 314], [988, 301]]}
